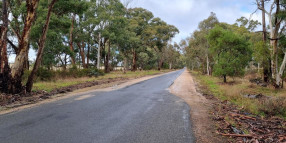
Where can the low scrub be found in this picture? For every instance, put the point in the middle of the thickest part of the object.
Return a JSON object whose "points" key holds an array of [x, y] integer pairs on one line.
{"points": [[275, 106], [44, 74], [271, 102]]}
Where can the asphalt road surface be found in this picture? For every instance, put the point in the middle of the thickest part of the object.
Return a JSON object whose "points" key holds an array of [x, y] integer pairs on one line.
{"points": [[142, 113]]}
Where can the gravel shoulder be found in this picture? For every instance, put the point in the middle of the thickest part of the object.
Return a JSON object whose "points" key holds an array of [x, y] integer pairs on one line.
{"points": [[204, 128]]}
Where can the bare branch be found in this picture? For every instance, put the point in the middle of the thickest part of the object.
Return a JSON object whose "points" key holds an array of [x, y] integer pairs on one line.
{"points": [[261, 8], [13, 45]]}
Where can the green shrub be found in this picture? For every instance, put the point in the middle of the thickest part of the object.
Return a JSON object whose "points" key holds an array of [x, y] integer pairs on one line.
{"points": [[48, 75], [45, 74], [95, 72], [73, 72]]}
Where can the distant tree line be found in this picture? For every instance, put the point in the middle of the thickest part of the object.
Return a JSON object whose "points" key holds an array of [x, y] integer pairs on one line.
{"points": [[86, 33], [222, 49]]}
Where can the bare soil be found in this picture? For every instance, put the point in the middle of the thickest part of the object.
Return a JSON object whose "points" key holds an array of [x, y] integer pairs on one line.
{"points": [[202, 123]]}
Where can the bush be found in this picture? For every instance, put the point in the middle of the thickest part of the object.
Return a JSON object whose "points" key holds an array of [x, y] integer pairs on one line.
{"points": [[45, 74], [74, 72], [95, 72], [274, 106], [48, 75]]}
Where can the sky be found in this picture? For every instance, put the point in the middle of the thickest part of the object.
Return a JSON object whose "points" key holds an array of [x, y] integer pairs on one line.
{"points": [[186, 14]]}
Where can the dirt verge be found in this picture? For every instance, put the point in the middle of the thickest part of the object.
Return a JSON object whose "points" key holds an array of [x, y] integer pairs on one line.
{"points": [[203, 127]]}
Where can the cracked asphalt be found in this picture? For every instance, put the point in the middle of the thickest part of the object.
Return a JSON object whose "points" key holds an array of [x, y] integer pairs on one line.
{"points": [[141, 113]]}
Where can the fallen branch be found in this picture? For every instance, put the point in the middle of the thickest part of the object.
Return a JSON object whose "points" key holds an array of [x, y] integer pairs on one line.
{"points": [[236, 135], [243, 116]]}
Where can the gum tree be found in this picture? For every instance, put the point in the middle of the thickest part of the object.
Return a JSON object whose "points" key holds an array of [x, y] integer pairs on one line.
{"points": [[231, 52]]}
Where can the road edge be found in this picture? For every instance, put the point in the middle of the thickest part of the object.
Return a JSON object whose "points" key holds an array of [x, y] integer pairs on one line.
{"points": [[81, 92]]}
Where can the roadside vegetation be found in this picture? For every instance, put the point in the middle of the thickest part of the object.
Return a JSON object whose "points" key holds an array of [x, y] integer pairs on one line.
{"points": [[242, 66], [60, 82], [79, 39], [248, 96]]}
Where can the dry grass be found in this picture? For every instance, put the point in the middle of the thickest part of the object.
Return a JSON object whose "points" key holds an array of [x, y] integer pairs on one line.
{"points": [[64, 82], [235, 90]]}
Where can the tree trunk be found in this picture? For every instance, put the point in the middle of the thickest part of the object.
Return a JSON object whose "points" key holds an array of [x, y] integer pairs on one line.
{"points": [[65, 62], [170, 66], [87, 56], [4, 65], [274, 29], [279, 79], [3, 40], [21, 57], [224, 78], [106, 63], [82, 55], [98, 51], [263, 23], [125, 65], [71, 40], [27, 65], [42, 41], [134, 67], [208, 65], [159, 64]]}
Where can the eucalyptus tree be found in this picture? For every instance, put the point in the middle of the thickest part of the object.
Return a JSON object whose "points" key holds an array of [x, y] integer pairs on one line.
{"points": [[4, 67], [276, 16], [21, 28], [22, 48], [231, 52], [171, 55], [139, 20], [157, 36], [205, 26], [41, 46], [117, 22]]}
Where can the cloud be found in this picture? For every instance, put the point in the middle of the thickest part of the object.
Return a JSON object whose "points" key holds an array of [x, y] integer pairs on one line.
{"points": [[186, 14]]}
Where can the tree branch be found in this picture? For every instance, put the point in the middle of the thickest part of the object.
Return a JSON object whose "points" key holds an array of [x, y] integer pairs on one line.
{"points": [[13, 46]]}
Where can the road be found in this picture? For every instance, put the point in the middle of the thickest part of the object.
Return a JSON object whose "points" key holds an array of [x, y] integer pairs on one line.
{"points": [[141, 113]]}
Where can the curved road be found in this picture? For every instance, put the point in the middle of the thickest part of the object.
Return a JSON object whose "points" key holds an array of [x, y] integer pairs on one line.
{"points": [[142, 113]]}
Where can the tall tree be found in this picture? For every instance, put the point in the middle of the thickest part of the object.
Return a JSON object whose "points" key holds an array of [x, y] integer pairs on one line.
{"points": [[42, 41], [231, 52], [21, 57], [139, 19], [205, 26], [157, 36], [275, 29], [4, 67]]}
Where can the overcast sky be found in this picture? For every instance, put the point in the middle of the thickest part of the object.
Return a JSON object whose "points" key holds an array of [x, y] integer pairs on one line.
{"points": [[186, 14]]}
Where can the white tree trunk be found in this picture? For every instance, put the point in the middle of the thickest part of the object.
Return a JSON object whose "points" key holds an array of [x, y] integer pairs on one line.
{"points": [[98, 51], [208, 64], [281, 71]]}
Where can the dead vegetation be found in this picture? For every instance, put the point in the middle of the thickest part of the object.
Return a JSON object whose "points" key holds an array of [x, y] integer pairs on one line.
{"points": [[246, 111], [241, 126]]}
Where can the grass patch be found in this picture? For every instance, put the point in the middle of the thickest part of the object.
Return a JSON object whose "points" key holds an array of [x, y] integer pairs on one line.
{"points": [[235, 90], [65, 82]]}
